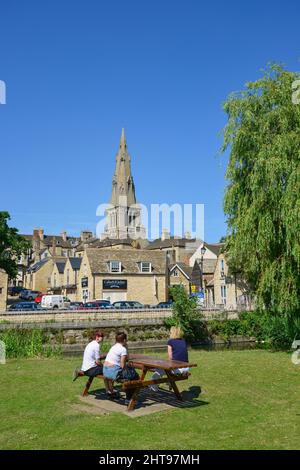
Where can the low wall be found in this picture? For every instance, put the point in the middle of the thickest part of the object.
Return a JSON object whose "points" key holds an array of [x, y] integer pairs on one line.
{"points": [[144, 327]]}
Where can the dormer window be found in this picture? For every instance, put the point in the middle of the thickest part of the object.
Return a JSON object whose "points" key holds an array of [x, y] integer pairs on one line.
{"points": [[175, 273], [145, 267], [115, 266]]}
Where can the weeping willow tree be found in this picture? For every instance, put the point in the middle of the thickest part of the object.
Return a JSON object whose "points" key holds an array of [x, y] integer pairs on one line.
{"points": [[262, 198]]}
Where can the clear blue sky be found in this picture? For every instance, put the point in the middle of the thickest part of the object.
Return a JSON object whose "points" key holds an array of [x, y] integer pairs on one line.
{"points": [[78, 71]]}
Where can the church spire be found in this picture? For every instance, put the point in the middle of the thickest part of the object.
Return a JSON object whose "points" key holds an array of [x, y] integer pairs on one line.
{"points": [[123, 144], [124, 215]]}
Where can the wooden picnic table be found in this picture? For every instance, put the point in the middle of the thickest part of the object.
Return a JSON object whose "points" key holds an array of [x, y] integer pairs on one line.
{"points": [[146, 364]]}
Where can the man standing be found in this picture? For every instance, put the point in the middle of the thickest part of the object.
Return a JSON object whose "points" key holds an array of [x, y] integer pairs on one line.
{"points": [[91, 364]]}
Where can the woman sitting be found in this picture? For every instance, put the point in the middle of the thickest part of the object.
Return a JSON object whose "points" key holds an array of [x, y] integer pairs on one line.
{"points": [[177, 351], [115, 366]]}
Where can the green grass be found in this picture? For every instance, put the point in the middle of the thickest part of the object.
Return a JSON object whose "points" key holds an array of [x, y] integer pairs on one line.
{"points": [[251, 401]]}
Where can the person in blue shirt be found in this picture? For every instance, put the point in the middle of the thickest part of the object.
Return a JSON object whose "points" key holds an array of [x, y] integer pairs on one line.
{"points": [[177, 351]]}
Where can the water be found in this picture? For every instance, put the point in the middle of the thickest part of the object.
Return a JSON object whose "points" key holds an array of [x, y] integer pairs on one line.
{"points": [[238, 346]]}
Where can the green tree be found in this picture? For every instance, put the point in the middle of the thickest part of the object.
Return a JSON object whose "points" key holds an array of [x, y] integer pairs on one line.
{"points": [[12, 245], [262, 201], [186, 314]]}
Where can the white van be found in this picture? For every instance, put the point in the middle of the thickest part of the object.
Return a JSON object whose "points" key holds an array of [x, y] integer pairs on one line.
{"points": [[55, 302]]}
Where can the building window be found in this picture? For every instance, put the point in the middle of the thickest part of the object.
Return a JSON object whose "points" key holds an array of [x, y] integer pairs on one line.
{"points": [[68, 277], [175, 273], [223, 294], [145, 267], [1, 290], [115, 266]]}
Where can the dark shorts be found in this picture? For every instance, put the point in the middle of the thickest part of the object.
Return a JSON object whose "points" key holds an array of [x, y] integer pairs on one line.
{"points": [[97, 370]]}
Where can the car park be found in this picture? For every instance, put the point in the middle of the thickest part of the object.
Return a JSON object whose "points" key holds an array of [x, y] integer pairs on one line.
{"points": [[24, 306]]}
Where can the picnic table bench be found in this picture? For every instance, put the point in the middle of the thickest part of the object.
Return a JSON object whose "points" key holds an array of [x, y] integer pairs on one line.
{"points": [[146, 364]]}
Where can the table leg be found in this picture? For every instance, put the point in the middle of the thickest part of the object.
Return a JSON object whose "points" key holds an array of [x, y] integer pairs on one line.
{"points": [[173, 385], [132, 403], [87, 387]]}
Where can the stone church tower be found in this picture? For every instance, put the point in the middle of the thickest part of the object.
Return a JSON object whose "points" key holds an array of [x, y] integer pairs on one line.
{"points": [[123, 216]]}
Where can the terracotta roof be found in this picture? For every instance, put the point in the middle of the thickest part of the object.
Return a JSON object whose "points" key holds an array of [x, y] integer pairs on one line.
{"points": [[130, 259]]}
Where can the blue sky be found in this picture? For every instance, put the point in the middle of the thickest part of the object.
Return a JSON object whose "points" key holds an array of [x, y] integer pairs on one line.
{"points": [[77, 72]]}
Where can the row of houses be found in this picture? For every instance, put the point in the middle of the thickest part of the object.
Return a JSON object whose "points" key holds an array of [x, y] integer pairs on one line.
{"points": [[123, 271]]}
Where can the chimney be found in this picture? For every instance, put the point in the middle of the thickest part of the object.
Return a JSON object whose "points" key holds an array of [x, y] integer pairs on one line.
{"points": [[63, 235], [165, 235]]}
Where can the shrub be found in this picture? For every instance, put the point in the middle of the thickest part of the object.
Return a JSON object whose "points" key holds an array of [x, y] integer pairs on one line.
{"points": [[186, 315]]}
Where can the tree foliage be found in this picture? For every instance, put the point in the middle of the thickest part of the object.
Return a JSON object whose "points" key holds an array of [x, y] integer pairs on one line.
{"points": [[186, 314], [12, 245], [262, 201]]}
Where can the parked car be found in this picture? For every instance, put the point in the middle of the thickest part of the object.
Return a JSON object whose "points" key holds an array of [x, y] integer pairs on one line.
{"points": [[15, 290], [167, 304], [96, 305], [23, 292], [76, 305], [55, 302], [28, 306], [128, 304], [39, 297], [28, 294]]}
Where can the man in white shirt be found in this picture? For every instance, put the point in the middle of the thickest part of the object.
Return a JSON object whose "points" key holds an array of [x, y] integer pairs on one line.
{"points": [[91, 364]]}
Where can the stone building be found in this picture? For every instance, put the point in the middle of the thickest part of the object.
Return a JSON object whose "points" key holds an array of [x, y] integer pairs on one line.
{"points": [[229, 290], [38, 276], [114, 275], [3, 289], [57, 276], [123, 216], [71, 277]]}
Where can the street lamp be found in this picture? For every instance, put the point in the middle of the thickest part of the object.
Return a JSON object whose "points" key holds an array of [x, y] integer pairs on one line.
{"points": [[200, 262]]}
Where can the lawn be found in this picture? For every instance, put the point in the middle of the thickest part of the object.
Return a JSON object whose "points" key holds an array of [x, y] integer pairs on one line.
{"points": [[251, 400]]}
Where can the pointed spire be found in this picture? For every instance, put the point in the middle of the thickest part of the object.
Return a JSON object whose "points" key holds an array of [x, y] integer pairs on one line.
{"points": [[123, 139]]}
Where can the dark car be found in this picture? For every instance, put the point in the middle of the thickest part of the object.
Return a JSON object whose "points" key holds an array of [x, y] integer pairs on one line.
{"points": [[96, 305], [25, 306], [15, 290], [167, 304], [128, 304]]}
